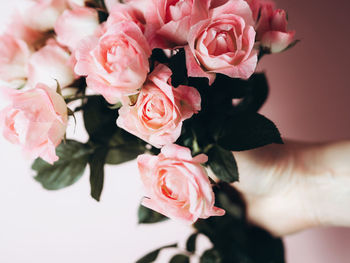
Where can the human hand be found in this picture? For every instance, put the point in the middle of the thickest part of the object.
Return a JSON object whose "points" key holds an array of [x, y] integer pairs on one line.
{"points": [[296, 186]]}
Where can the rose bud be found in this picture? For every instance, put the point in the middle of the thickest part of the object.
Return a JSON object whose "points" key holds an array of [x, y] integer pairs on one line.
{"points": [[36, 119], [177, 185], [272, 29], [221, 41], [255, 6], [116, 62], [160, 109]]}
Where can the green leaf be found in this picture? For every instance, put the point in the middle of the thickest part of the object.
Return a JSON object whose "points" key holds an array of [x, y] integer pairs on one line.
{"points": [[180, 259], [124, 153], [179, 75], [124, 147], [97, 162], [99, 119], [248, 131], [223, 164], [148, 216], [152, 256], [100, 123], [291, 45], [257, 91], [210, 256], [235, 239], [73, 158], [191, 243]]}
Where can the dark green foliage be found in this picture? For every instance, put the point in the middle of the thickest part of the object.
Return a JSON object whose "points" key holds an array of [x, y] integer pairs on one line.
{"points": [[152, 256], [99, 120], [73, 158], [97, 162], [233, 238], [191, 243], [233, 127], [247, 131], [210, 256], [112, 144], [180, 259], [148, 216], [223, 164]]}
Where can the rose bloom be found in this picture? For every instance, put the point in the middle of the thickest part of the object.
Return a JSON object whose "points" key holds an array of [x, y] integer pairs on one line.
{"points": [[36, 120], [49, 65], [221, 40], [126, 12], [168, 22], [116, 62], [18, 29], [177, 185], [272, 29], [160, 109], [41, 14], [14, 58], [74, 25]]}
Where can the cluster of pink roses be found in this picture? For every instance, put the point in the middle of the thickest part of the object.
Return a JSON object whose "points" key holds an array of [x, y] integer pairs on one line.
{"points": [[59, 41]]}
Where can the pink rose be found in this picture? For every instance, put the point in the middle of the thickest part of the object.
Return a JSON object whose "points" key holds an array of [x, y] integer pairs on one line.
{"points": [[168, 22], [177, 185], [255, 6], [160, 109], [126, 12], [49, 64], [272, 29], [221, 40], [36, 120], [110, 4], [18, 29], [74, 25], [116, 63], [14, 57], [41, 14]]}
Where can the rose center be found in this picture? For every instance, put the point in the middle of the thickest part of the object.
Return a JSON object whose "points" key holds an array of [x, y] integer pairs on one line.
{"points": [[172, 186], [117, 54], [222, 42], [178, 9]]}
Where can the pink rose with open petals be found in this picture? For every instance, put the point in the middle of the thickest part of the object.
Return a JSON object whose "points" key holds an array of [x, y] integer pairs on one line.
{"points": [[221, 40], [115, 63], [74, 25], [168, 22], [272, 29], [160, 109], [177, 185], [36, 120], [14, 58], [49, 64]]}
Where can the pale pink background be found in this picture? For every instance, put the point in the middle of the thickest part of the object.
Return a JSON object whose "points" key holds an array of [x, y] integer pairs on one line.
{"points": [[309, 101]]}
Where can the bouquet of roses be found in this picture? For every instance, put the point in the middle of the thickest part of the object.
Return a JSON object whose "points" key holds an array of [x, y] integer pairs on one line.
{"points": [[169, 82]]}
